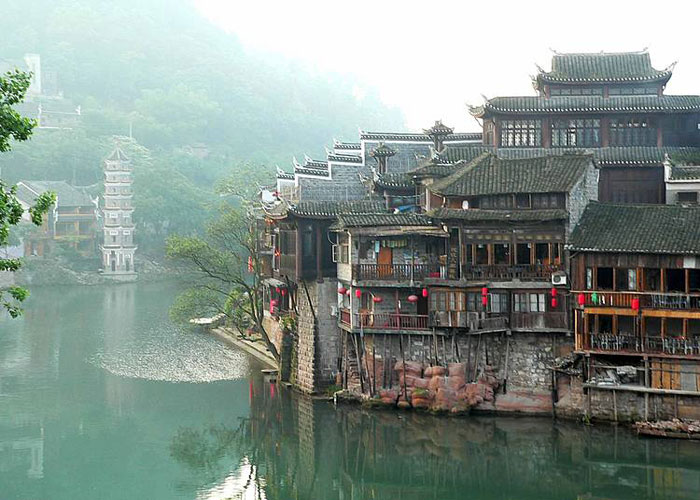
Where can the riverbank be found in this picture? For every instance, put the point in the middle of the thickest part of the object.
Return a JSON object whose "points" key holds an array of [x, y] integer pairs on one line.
{"points": [[255, 348]]}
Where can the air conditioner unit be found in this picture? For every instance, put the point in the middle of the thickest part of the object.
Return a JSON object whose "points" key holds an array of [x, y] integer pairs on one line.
{"points": [[559, 279]]}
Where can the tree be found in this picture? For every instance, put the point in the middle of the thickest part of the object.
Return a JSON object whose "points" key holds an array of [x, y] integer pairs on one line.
{"points": [[220, 262], [13, 126]]}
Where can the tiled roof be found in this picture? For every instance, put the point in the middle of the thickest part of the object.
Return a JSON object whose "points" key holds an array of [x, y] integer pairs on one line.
{"points": [[590, 104], [500, 215], [344, 158], [409, 136], [66, 195], [453, 154], [607, 157], [664, 229], [439, 129], [311, 171], [331, 209], [603, 67], [382, 151], [488, 174], [386, 219], [400, 180], [352, 146], [685, 172]]}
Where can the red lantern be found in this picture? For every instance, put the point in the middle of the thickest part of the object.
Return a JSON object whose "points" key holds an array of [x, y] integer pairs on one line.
{"points": [[413, 298], [284, 292], [484, 291], [277, 289], [554, 292], [484, 300], [358, 293], [425, 292], [635, 304], [581, 299], [342, 290], [554, 302], [347, 292], [274, 302], [377, 300]]}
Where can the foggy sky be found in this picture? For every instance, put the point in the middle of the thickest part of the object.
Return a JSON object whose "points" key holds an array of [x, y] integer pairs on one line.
{"points": [[429, 58]]}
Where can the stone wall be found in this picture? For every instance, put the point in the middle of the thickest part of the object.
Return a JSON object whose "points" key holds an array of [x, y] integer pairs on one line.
{"points": [[522, 362], [584, 191], [318, 338]]}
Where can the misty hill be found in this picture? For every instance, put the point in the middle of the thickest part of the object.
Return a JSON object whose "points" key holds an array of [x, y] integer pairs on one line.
{"points": [[183, 86]]}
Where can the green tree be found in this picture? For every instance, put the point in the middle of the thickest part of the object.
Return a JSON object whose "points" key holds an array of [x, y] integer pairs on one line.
{"points": [[219, 262], [13, 126]]}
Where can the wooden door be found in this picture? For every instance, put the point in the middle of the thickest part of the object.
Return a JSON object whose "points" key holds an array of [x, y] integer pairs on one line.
{"points": [[384, 260]]}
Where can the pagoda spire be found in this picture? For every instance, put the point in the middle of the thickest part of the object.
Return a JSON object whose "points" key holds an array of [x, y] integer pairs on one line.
{"points": [[438, 133], [381, 154]]}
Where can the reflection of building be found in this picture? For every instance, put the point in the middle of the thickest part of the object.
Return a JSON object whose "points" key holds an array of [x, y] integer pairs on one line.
{"points": [[118, 243], [72, 220]]}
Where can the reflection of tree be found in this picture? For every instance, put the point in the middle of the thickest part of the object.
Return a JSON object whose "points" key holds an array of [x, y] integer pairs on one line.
{"points": [[203, 449]]}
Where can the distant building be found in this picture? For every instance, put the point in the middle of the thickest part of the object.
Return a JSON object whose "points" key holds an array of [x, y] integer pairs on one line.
{"points": [[682, 182], [118, 230], [72, 220]]}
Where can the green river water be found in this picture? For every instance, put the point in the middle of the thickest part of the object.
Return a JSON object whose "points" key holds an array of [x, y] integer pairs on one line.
{"points": [[102, 398]]}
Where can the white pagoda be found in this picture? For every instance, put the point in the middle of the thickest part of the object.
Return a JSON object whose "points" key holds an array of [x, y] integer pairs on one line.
{"points": [[118, 228]]}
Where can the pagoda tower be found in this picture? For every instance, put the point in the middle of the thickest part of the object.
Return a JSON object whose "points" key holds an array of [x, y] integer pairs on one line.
{"points": [[118, 229]]}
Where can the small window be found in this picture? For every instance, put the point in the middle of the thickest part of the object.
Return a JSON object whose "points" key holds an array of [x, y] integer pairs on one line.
{"points": [[631, 279], [690, 197], [522, 201], [589, 278]]}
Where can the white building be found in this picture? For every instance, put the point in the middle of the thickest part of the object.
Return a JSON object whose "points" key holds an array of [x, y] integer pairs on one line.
{"points": [[118, 228]]}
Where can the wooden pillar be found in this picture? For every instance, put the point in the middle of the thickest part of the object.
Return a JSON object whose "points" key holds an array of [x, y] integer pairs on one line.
{"points": [[614, 324], [687, 280], [659, 136], [663, 279], [605, 132]]}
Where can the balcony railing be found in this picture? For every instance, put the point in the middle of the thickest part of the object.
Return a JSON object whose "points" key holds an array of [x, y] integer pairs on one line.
{"points": [[647, 300], [398, 272], [539, 320], [508, 272], [624, 342], [384, 321]]}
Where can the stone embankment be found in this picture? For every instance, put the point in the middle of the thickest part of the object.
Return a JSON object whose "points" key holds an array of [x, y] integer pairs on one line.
{"points": [[437, 389]]}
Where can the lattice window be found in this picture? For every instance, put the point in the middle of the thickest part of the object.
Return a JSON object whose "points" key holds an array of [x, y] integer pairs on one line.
{"points": [[521, 133], [581, 133]]}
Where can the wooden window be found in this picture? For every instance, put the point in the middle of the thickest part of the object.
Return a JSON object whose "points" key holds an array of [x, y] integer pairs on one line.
{"points": [[522, 201], [501, 253], [652, 280], [537, 303], [604, 278], [542, 253], [632, 131], [576, 133], [498, 303], [482, 254], [521, 133]]}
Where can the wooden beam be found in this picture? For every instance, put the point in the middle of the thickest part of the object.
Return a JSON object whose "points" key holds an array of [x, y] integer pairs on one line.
{"points": [[620, 311], [660, 313]]}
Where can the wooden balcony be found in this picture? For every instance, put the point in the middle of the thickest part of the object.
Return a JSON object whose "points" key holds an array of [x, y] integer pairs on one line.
{"points": [[395, 272], [529, 272], [630, 343], [382, 322], [539, 321], [647, 300]]}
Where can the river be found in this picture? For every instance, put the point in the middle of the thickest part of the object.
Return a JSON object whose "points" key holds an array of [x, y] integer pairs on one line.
{"points": [[101, 397]]}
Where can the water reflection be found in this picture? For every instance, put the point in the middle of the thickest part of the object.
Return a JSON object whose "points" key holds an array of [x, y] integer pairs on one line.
{"points": [[298, 448]]}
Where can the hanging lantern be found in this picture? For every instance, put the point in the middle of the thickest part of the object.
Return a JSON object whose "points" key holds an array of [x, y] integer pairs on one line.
{"points": [[484, 300], [635, 304], [484, 291], [284, 292], [358, 293], [581, 299], [594, 298], [342, 290], [554, 292], [554, 302], [377, 299], [425, 292], [347, 292], [277, 289], [274, 302], [413, 298]]}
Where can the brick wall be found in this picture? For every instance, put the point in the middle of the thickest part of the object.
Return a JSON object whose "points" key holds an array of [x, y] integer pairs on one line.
{"points": [[318, 343]]}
